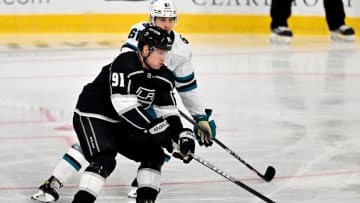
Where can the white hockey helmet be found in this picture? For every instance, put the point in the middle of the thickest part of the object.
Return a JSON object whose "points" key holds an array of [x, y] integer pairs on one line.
{"points": [[162, 8]]}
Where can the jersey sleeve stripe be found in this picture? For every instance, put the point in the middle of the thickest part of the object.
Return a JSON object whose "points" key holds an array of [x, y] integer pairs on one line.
{"points": [[166, 111], [123, 103], [185, 79], [95, 115], [187, 87]]}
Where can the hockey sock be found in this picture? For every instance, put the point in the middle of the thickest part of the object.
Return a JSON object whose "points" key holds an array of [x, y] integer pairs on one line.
{"points": [[70, 164], [148, 184]]}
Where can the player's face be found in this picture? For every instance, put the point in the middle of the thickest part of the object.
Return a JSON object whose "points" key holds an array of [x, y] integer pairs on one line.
{"points": [[165, 23], [156, 59]]}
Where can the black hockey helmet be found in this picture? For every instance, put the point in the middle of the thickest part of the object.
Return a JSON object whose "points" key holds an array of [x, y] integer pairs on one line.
{"points": [[155, 37]]}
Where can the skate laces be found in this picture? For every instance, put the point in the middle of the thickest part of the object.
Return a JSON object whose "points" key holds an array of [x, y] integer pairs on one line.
{"points": [[51, 184], [55, 184]]}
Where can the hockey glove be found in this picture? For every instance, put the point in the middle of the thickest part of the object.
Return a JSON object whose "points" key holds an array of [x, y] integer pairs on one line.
{"points": [[185, 145], [160, 130], [207, 130]]}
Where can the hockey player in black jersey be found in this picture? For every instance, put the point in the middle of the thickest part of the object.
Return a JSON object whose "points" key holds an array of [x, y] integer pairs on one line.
{"points": [[163, 13], [116, 114]]}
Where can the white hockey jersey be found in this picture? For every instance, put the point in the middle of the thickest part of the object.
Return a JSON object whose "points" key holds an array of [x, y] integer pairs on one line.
{"points": [[178, 61]]}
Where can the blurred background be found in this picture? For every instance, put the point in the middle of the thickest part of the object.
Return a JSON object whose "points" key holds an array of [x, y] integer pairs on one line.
{"points": [[293, 106], [42, 21]]}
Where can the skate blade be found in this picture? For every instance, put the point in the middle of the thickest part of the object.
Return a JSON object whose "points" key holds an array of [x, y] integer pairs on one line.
{"points": [[132, 192], [43, 197], [342, 38], [281, 40]]}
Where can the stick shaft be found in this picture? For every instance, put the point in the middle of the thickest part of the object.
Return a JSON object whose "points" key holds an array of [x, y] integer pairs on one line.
{"points": [[224, 147], [231, 179]]}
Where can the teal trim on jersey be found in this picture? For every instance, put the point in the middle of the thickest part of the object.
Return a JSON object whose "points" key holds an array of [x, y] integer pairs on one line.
{"points": [[185, 78], [77, 147], [167, 157], [189, 88], [72, 163], [151, 112], [128, 45]]}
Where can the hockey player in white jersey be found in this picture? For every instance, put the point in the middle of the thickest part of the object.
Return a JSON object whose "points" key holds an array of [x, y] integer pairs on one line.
{"points": [[163, 14]]}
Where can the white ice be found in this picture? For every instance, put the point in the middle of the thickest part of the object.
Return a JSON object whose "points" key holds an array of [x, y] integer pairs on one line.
{"points": [[293, 107]]}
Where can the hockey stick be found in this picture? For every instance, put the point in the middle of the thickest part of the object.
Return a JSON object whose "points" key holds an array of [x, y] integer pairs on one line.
{"points": [[270, 171], [230, 178]]}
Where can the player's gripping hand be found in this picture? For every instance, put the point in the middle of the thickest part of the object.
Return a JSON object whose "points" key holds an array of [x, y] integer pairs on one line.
{"points": [[185, 145], [207, 130], [159, 129]]}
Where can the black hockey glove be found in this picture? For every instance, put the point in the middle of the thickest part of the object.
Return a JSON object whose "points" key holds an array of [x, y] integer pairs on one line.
{"points": [[185, 145], [159, 129]]}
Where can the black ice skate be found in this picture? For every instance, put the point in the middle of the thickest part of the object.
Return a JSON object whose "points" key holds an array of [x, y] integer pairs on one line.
{"points": [[48, 192], [343, 33], [281, 35]]}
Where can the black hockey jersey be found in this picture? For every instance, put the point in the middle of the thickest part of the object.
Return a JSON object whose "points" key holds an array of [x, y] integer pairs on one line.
{"points": [[125, 91]]}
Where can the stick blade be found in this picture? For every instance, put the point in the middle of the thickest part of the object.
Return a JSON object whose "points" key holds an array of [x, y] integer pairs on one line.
{"points": [[269, 174]]}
